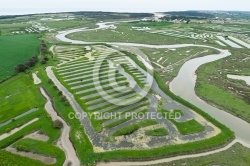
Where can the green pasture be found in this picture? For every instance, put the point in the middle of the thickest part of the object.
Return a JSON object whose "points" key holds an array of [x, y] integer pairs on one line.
{"points": [[16, 49]]}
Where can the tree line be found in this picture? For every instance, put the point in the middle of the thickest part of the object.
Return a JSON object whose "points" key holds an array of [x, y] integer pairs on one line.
{"points": [[34, 59], [29, 63], [43, 52]]}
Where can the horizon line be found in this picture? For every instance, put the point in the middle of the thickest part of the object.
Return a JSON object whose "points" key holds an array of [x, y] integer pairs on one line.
{"points": [[60, 12]]}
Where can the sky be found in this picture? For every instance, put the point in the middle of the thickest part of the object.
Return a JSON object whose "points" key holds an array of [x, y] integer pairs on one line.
{"points": [[12, 7]]}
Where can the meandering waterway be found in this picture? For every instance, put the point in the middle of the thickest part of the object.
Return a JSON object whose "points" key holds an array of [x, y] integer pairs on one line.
{"points": [[184, 86]]}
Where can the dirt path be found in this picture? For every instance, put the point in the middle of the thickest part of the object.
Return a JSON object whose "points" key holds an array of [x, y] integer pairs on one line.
{"points": [[51, 49], [36, 79], [165, 160], [64, 141], [17, 129], [44, 159], [37, 136]]}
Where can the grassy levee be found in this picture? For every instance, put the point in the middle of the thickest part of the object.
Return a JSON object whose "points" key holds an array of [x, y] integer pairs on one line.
{"points": [[41, 148], [98, 97], [44, 125], [120, 121], [96, 124], [26, 96], [20, 134], [78, 137], [157, 132], [189, 127], [8, 158], [193, 147], [122, 113], [135, 78], [133, 127], [185, 128], [19, 122], [18, 95], [227, 158], [121, 83], [116, 123]]}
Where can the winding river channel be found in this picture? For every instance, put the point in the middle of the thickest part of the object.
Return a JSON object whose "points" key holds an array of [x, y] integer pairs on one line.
{"points": [[184, 86]]}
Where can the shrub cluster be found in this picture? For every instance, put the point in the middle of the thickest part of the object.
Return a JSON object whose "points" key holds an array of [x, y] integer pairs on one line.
{"points": [[30, 63], [57, 124], [43, 52]]}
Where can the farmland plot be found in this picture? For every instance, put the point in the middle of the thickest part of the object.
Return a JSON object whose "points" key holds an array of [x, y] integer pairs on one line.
{"points": [[125, 113], [183, 33], [14, 50]]}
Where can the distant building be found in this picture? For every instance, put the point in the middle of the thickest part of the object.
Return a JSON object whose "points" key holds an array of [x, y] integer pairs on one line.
{"points": [[146, 19]]}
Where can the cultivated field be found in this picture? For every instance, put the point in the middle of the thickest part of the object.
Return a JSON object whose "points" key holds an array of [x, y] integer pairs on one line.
{"points": [[125, 33], [166, 33], [15, 50], [105, 81], [167, 62]]}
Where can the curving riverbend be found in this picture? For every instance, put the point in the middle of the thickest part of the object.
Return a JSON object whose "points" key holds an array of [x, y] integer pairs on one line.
{"points": [[184, 86]]}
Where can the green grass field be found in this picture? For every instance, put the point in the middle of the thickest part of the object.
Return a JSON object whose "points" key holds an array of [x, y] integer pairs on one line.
{"points": [[8, 158], [157, 132], [173, 59], [7, 28], [16, 49], [125, 33], [188, 127], [40, 147], [152, 24], [236, 155], [65, 24], [78, 137], [132, 128], [214, 86], [24, 82], [17, 96]]}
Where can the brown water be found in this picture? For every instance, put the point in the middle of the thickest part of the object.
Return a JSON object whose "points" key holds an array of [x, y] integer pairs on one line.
{"points": [[184, 84]]}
